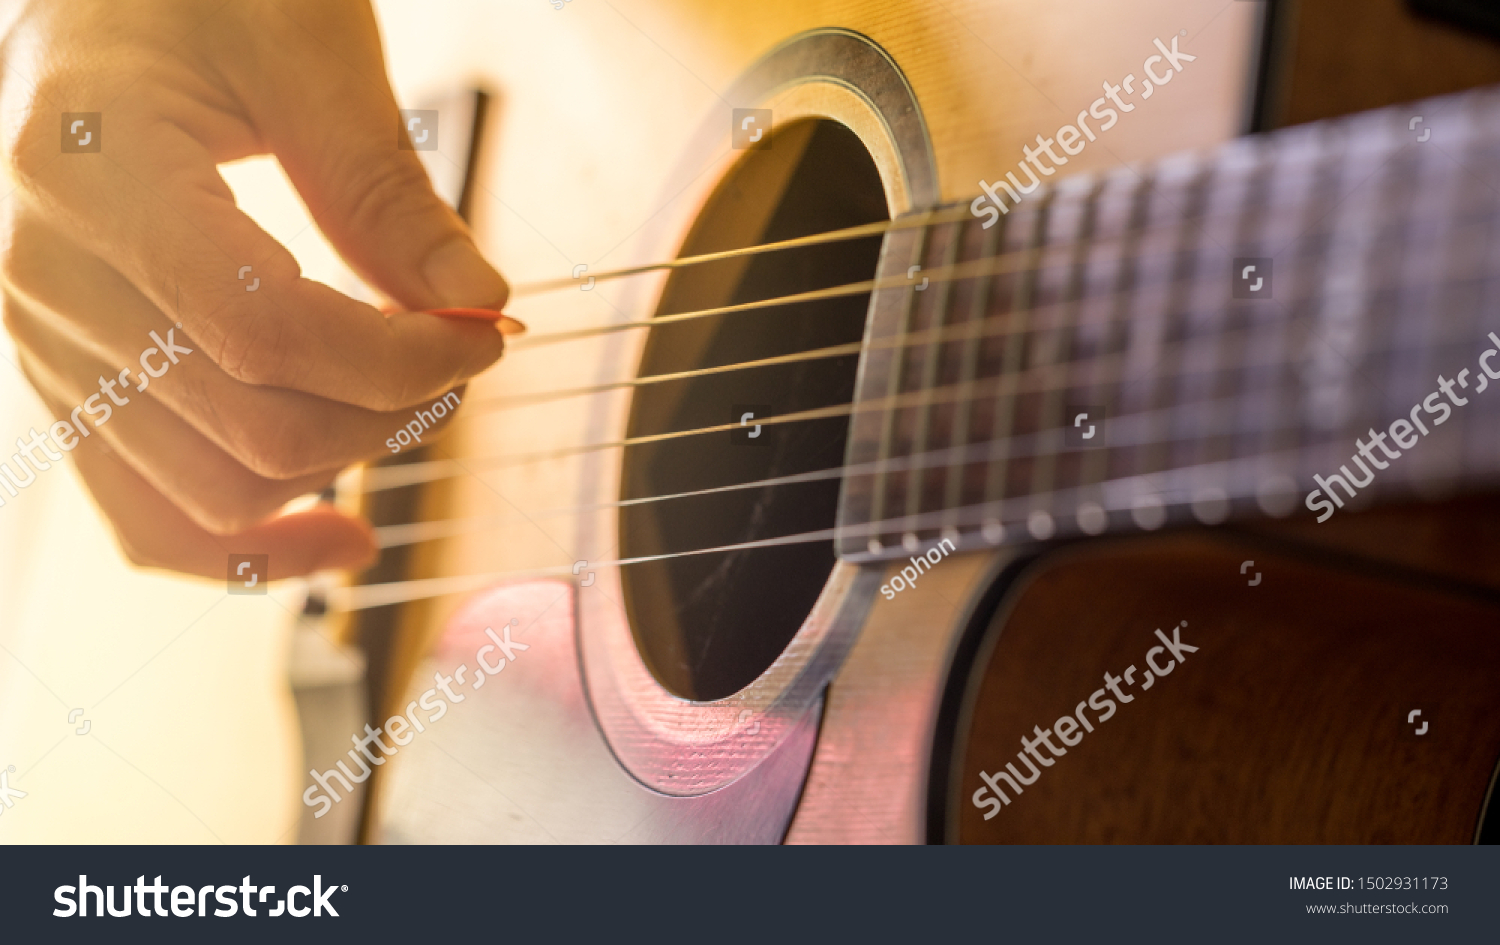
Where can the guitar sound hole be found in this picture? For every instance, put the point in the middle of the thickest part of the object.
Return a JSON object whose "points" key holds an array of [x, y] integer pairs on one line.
{"points": [[708, 624]]}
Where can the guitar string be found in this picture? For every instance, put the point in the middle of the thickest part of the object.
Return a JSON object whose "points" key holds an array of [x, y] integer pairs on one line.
{"points": [[1021, 446], [941, 276], [409, 533], [921, 338], [970, 270], [1001, 264], [1017, 448], [1085, 187], [500, 404], [985, 328], [862, 231], [389, 477], [1109, 366], [359, 597], [981, 329], [993, 265], [785, 539], [1024, 258]]}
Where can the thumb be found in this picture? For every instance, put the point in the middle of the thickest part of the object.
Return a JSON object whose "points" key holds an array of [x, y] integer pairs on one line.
{"points": [[334, 124]]}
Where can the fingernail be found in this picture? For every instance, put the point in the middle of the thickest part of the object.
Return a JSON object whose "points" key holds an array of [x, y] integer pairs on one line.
{"points": [[461, 277]]}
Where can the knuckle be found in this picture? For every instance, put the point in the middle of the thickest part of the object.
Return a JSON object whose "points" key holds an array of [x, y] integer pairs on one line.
{"points": [[394, 394], [255, 349], [380, 194], [265, 438], [279, 453], [385, 393]]}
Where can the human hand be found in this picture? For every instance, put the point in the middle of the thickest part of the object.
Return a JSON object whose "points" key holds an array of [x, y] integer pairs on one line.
{"points": [[285, 385]]}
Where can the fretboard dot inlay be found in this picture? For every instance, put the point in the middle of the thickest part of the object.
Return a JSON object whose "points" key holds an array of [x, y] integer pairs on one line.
{"points": [[1277, 496], [1211, 506], [1040, 524], [1092, 519], [993, 532], [1149, 513]]}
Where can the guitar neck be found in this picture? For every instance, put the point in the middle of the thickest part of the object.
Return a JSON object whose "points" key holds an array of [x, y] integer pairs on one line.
{"points": [[1299, 320]]}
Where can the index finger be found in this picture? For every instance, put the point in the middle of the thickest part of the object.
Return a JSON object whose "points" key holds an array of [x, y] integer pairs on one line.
{"points": [[155, 207]]}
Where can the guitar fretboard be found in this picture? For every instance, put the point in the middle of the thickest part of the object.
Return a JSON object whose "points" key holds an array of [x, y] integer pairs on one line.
{"points": [[1103, 358]]}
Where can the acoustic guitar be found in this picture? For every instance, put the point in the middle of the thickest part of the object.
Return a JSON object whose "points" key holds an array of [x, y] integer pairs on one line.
{"points": [[940, 422]]}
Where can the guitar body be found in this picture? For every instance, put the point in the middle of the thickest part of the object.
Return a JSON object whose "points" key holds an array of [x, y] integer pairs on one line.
{"points": [[1289, 725], [777, 693]]}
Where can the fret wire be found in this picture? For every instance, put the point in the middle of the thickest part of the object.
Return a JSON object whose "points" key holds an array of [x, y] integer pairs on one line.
{"points": [[1124, 328], [941, 307], [1236, 194], [1361, 220], [1015, 346], [962, 416], [1056, 359], [1409, 255], [1305, 193], [1150, 318], [1243, 381], [897, 370], [1129, 198], [1176, 312], [1438, 190], [1488, 300]]}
